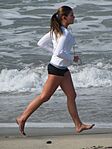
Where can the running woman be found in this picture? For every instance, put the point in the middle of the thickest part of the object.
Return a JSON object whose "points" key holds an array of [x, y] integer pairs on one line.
{"points": [[58, 73]]}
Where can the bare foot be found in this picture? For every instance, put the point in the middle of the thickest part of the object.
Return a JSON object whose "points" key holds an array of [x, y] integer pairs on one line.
{"points": [[21, 124], [84, 127]]}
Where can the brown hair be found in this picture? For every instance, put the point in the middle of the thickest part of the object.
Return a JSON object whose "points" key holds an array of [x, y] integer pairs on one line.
{"points": [[57, 18]]}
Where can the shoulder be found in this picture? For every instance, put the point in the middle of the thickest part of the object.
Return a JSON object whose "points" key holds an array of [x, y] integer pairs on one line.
{"points": [[65, 31]]}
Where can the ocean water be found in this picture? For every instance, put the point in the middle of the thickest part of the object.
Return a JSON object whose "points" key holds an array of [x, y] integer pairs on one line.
{"points": [[23, 64]]}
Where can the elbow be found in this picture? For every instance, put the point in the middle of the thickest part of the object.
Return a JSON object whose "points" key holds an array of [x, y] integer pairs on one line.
{"points": [[39, 43], [57, 54]]}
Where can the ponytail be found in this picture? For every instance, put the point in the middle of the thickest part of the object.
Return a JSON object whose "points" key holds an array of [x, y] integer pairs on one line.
{"points": [[56, 25], [56, 20]]}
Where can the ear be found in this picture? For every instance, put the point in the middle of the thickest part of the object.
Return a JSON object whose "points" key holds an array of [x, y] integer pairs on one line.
{"points": [[63, 17]]}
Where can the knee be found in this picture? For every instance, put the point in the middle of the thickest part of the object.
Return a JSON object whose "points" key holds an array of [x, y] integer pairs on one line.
{"points": [[72, 96], [44, 98]]}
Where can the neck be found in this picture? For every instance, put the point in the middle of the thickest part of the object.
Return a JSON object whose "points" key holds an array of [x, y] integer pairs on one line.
{"points": [[65, 25]]}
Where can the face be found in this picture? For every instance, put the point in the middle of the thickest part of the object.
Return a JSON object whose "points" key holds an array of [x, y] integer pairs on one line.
{"points": [[70, 18]]}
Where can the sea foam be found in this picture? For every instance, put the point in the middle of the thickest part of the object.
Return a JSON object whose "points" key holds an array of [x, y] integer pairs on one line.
{"points": [[33, 79]]}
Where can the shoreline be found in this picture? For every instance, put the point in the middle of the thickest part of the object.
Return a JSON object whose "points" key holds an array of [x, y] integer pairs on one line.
{"points": [[53, 140], [55, 137], [48, 129]]}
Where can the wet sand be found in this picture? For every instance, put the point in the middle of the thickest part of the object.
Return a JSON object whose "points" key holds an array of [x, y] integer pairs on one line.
{"points": [[56, 138]]}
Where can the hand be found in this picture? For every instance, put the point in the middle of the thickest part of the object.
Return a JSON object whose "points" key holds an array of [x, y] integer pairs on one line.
{"points": [[76, 58]]}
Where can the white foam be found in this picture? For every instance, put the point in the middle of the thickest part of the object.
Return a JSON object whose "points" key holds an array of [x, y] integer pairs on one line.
{"points": [[40, 125], [93, 76], [13, 13], [100, 2], [21, 80], [28, 79], [14, 55], [7, 16], [52, 125]]}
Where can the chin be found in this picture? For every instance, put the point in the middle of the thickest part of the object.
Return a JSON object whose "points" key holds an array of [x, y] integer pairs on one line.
{"points": [[72, 22]]}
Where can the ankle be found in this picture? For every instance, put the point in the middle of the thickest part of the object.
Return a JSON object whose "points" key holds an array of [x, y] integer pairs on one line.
{"points": [[79, 124], [21, 118]]}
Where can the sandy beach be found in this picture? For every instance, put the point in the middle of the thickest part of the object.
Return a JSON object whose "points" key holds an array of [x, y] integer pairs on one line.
{"points": [[23, 72], [56, 138]]}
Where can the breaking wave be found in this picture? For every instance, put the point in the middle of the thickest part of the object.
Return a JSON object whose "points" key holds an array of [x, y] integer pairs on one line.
{"points": [[32, 79]]}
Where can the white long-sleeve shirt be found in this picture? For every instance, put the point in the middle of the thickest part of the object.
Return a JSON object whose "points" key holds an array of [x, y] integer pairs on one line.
{"points": [[60, 47]]}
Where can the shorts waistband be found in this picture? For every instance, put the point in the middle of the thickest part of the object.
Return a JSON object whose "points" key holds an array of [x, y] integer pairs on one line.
{"points": [[59, 67]]}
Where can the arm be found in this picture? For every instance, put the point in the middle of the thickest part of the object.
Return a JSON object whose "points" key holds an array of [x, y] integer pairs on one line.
{"points": [[46, 42]]}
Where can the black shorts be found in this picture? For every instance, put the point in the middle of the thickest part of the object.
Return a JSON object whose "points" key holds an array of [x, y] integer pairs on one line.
{"points": [[56, 71]]}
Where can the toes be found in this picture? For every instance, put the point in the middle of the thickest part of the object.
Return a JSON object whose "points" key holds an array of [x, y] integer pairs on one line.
{"points": [[21, 126], [23, 133], [84, 127], [92, 126]]}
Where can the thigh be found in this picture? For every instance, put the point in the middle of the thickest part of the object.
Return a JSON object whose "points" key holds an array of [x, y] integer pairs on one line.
{"points": [[67, 85], [51, 85]]}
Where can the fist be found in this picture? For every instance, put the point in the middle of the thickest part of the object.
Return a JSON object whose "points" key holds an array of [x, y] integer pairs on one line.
{"points": [[76, 58]]}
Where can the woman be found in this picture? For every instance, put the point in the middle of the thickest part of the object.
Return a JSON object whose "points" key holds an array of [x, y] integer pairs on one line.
{"points": [[58, 73]]}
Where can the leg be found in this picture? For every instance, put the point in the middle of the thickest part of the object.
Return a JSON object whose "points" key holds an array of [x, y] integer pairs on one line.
{"points": [[68, 88], [49, 88]]}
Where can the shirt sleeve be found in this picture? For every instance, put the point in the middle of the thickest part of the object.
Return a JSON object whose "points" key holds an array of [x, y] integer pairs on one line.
{"points": [[46, 42], [60, 48]]}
